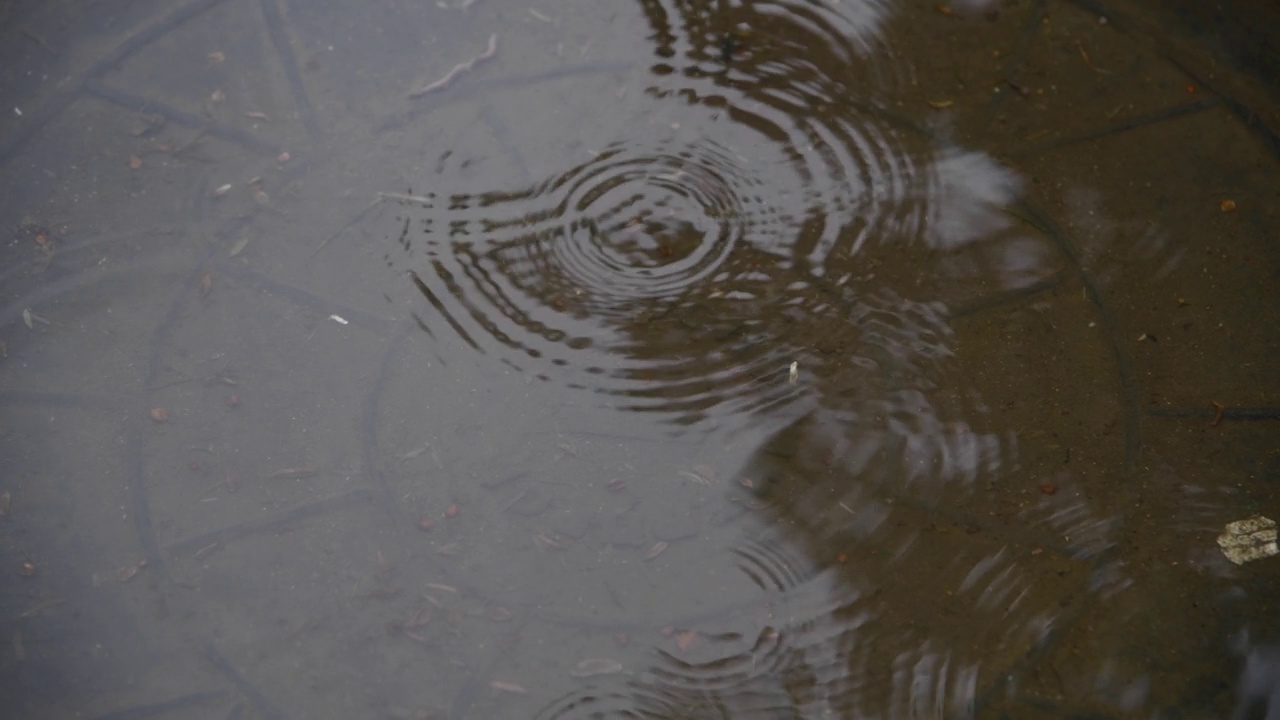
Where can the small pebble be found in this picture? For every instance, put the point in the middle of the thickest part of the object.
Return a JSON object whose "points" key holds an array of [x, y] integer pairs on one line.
{"points": [[193, 466], [283, 158], [451, 511], [1048, 488], [425, 523], [233, 400], [158, 415]]}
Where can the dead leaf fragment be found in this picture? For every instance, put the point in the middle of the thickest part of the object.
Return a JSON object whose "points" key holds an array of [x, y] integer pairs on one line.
{"points": [[5, 503], [656, 550], [217, 57], [257, 116], [135, 162], [510, 687], [206, 285], [222, 190], [125, 574], [238, 247], [686, 640], [158, 415]]}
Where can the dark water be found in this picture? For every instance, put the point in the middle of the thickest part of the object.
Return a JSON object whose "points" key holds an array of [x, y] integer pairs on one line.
{"points": [[794, 359]]}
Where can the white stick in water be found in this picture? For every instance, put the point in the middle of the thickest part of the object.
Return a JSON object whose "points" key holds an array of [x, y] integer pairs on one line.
{"points": [[458, 70]]}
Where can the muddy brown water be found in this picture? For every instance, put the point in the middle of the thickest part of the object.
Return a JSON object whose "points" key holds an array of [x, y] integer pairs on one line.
{"points": [[790, 359]]}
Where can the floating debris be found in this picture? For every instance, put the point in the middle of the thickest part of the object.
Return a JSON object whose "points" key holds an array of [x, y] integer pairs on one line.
{"points": [[30, 319], [510, 687], [1249, 539], [127, 573], [657, 549], [238, 247], [596, 666], [291, 473]]}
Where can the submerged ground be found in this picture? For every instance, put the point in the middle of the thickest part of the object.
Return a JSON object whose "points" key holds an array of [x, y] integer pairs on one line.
{"points": [[665, 359]]}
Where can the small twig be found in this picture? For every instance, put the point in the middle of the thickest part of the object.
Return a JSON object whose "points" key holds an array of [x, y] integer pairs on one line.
{"points": [[1085, 56], [39, 41], [292, 473], [458, 70], [402, 197], [354, 220]]}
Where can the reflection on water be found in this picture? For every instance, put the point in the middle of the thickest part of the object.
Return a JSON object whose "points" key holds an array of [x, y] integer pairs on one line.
{"points": [[681, 269], [789, 215], [774, 359]]}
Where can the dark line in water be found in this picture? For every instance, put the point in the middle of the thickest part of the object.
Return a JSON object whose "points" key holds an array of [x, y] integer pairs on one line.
{"points": [[289, 63], [1121, 22], [1246, 114], [258, 526], [246, 688], [1208, 413], [1030, 33], [1008, 297], [147, 35], [43, 117], [59, 400], [184, 289], [1124, 126], [137, 103], [163, 707], [369, 426], [1250, 119], [139, 499], [1124, 363]]}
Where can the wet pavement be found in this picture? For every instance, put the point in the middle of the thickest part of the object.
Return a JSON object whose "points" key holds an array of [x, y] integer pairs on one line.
{"points": [[794, 359]]}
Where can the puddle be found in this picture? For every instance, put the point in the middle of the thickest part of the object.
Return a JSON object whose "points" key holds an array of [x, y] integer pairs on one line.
{"points": [[794, 358]]}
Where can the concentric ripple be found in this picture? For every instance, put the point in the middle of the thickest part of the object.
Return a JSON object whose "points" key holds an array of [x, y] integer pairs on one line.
{"points": [[684, 267]]}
